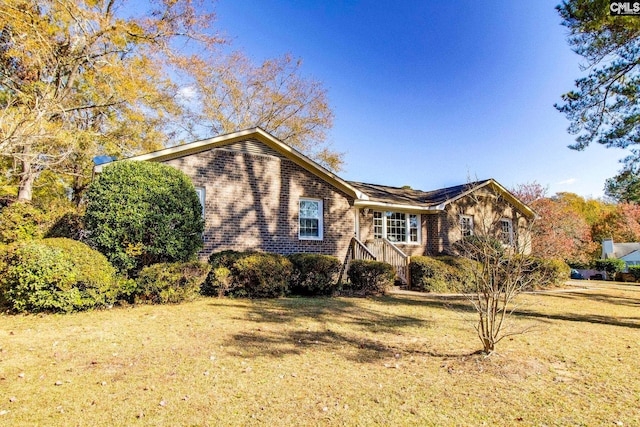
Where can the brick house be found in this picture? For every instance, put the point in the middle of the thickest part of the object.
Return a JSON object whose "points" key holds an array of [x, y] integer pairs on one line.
{"points": [[259, 193]]}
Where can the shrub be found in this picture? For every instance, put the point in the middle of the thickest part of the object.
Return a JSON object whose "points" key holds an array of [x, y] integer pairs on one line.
{"points": [[551, 272], [430, 275], [56, 275], [634, 270], [143, 213], [611, 266], [170, 283], [21, 221], [442, 274], [370, 277], [314, 274], [248, 274]]}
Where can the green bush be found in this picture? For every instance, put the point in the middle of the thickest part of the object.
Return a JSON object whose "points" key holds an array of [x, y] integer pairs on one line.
{"points": [[430, 275], [56, 275], [248, 274], [143, 213], [611, 266], [442, 274], [314, 274], [370, 277], [170, 282], [22, 221]]}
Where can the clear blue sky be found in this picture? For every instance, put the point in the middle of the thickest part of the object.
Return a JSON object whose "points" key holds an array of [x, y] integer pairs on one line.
{"points": [[428, 93]]}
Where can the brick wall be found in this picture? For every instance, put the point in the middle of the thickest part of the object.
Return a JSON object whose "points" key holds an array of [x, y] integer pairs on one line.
{"points": [[252, 202]]}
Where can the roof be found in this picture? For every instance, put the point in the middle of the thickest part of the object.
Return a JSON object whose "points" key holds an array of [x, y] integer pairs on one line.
{"points": [[243, 135], [623, 249], [365, 195], [435, 200]]}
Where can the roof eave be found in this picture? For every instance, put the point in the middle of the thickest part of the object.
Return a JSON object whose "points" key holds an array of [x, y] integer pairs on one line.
{"points": [[257, 133]]}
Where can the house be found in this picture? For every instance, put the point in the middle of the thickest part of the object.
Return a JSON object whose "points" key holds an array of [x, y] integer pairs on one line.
{"points": [[628, 252], [259, 193]]}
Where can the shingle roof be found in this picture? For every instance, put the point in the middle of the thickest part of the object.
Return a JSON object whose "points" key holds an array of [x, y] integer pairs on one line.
{"points": [[623, 249], [386, 194]]}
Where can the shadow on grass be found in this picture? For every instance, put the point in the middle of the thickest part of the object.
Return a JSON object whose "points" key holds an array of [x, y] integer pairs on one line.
{"points": [[600, 297], [297, 325], [461, 304]]}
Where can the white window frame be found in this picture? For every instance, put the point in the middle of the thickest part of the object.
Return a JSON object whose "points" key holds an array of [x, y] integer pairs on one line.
{"points": [[200, 191], [320, 235], [462, 227], [407, 226], [510, 222]]}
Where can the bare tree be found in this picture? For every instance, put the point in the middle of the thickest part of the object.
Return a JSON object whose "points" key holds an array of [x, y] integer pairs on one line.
{"points": [[496, 241]]}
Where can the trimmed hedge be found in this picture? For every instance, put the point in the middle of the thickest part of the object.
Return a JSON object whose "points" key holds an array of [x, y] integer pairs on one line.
{"points": [[314, 274], [56, 275], [248, 274], [430, 275], [370, 277], [455, 274], [170, 282]]}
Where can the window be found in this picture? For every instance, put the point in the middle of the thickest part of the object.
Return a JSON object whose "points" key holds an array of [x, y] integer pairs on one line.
{"points": [[506, 231], [378, 229], [398, 227], [310, 219], [200, 193], [466, 225]]}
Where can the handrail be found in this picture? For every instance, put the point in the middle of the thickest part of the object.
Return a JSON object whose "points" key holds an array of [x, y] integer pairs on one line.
{"points": [[367, 254], [356, 250], [386, 251]]}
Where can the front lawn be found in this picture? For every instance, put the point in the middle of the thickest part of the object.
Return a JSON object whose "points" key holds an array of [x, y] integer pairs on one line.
{"points": [[397, 360]]}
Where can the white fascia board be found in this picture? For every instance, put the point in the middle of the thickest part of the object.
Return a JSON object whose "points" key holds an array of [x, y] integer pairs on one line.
{"points": [[395, 207]]}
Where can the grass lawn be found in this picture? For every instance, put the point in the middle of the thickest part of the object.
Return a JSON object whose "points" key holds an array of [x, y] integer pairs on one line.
{"points": [[397, 360]]}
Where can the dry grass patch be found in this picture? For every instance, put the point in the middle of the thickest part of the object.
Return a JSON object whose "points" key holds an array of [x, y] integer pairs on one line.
{"points": [[399, 360]]}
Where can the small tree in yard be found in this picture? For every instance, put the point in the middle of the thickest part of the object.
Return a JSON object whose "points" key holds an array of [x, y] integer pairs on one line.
{"points": [[142, 213], [501, 270]]}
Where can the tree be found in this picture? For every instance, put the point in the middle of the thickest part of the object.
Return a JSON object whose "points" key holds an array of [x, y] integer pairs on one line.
{"points": [[561, 232], [529, 192], [231, 93], [142, 213], [604, 106], [621, 224], [78, 79], [624, 187], [499, 272]]}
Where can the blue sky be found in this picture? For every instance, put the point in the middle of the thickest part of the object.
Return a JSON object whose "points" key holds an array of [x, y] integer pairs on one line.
{"points": [[429, 93]]}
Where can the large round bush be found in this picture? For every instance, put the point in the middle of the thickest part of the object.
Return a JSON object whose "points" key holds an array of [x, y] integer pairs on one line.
{"points": [[142, 213], [55, 275]]}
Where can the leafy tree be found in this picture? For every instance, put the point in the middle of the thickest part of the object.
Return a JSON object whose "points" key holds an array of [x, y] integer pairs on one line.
{"points": [[79, 79], [142, 213], [73, 72], [231, 93], [604, 106], [622, 224], [561, 232], [529, 192]]}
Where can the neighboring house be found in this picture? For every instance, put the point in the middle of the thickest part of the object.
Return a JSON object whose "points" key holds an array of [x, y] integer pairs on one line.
{"points": [[259, 193], [628, 252]]}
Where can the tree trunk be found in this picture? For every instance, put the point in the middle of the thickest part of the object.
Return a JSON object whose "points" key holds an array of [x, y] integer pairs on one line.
{"points": [[27, 178]]}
